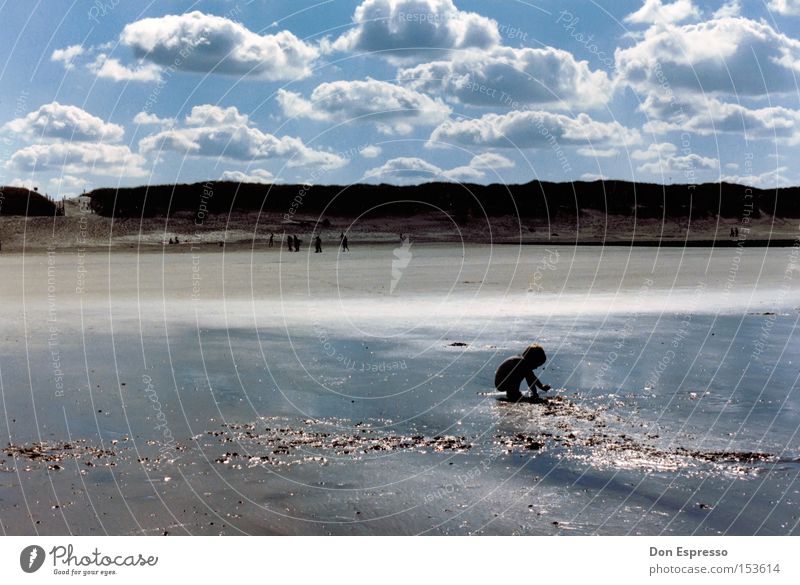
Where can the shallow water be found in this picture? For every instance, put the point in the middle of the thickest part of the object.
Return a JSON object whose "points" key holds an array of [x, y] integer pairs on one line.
{"points": [[262, 392]]}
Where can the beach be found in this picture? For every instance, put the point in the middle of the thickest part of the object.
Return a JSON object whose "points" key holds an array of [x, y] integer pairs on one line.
{"points": [[207, 389]]}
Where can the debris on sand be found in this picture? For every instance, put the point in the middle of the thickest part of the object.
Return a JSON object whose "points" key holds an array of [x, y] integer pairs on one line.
{"points": [[51, 454], [316, 442], [582, 433]]}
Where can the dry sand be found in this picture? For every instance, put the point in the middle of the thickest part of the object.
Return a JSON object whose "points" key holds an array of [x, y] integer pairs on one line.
{"points": [[79, 228]]}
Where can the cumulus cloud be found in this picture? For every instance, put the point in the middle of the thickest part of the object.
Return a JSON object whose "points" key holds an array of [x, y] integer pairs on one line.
{"points": [[767, 180], [78, 158], [260, 176], [394, 108], [108, 68], [148, 119], [505, 75], [403, 28], [734, 56], [730, 8], [591, 152], [711, 116], [655, 151], [404, 170], [785, 7], [210, 115], [67, 55], [673, 164], [72, 123], [202, 42], [212, 131], [66, 184], [532, 129], [371, 151], [656, 12]]}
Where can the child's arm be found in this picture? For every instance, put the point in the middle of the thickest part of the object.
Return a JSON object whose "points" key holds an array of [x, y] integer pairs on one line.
{"points": [[533, 383]]}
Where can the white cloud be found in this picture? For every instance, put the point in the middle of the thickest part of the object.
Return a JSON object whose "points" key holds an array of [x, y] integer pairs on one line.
{"points": [[729, 8], [684, 164], [395, 109], [210, 115], [591, 152], [72, 123], [67, 55], [593, 177], [148, 119], [655, 151], [490, 161], [785, 7], [78, 158], [711, 116], [734, 56], [400, 29], [504, 75], [260, 176], [770, 179], [212, 131], [202, 42], [371, 151], [656, 12], [405, 170], [67, 184], [108, 68], [534, 129]]}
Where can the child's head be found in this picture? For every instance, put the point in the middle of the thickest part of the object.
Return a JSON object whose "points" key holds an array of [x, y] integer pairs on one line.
{"points": [[534, 355]]}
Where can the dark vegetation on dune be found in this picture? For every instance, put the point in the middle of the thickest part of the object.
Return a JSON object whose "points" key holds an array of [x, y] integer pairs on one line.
{"points": [[534, 199], [21, 201]]}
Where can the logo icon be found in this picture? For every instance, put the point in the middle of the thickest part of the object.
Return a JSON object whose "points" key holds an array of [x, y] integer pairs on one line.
{"points": [[402, 257], [31, 558]]}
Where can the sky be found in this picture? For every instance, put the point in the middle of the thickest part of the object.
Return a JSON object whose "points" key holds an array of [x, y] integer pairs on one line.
{"points": [[120, 93]]}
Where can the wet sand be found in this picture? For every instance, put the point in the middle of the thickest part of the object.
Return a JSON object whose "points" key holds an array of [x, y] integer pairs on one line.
{"points": [[208, 390]]}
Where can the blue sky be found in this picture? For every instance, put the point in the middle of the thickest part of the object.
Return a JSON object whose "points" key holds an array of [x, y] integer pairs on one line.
{"points": [[114, 92]]}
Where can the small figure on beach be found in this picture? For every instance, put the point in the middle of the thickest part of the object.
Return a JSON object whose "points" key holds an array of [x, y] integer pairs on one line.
{"points": [[297, 242], [290, 243], [171, 241], [514, 370], [345, 247], [271, 239], [177, 241], [317, 245]]}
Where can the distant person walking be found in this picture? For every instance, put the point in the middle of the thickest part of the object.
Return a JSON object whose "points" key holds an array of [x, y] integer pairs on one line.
{"points": [[345, 247], [271, 239], [290, 243], [297, 242], [318, 245]]}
